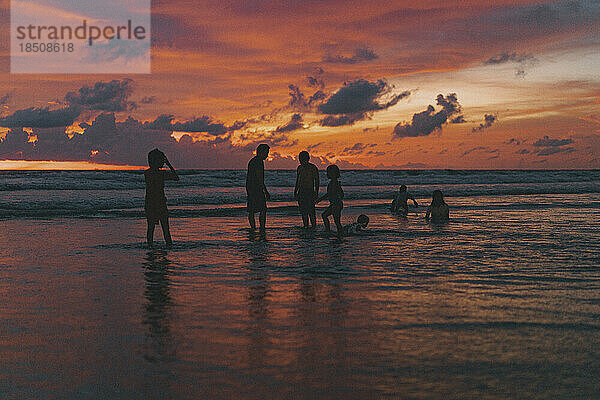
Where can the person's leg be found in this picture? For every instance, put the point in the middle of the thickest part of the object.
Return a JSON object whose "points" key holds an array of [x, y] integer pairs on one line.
{"points": [[337, 217], [150, 233], [313, 218], [164, 223], [305, 219], [325, 216], [251, 220], [262, 219]]}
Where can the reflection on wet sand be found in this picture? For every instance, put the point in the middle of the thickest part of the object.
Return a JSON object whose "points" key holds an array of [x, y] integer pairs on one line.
{"points": [[157, 313]]}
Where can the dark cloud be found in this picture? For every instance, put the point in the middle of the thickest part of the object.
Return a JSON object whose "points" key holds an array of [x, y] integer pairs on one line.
{"points": [[547, 142], [554, 150], [41, 118], [313, 146], [203, 124], [316, 80], [458, 120], [522, 60], [357, 148], [299, 101], [488, 120], [506, 58], [360, 55], [104, 96], [484, 149], [294, 124], [333, 121], [428, 121], [361, 96], [522, 151]]}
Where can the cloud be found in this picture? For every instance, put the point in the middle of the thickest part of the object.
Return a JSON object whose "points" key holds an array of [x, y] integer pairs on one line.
{"points": [[41, 118], [294, 124], [316, 81], [547, 142], [458, 120], [4, 100], [554, 150], [104, 96], [357, 148], [522, 60], [361, 54], [488, 120], [300, 102], [203, 124], [522, 151], [484, 149], [506, 58], [428, 121], [333, 121], [361, 96]]}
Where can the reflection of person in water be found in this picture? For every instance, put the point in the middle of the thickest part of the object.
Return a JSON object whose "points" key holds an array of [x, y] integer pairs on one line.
{"points": [[438, 210], [157, 310], [255, 187], [400, 203], [335, 194], [306, 191], [156, 202]]}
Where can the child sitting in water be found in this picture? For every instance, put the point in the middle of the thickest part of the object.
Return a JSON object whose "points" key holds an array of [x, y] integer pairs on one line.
{"points": [[358, 227], [156, 202], [335, 194], [400, 203], [438, 210]]}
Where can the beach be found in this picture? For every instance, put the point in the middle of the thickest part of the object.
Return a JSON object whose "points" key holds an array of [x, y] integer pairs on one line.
{"points": [[501, 302]]}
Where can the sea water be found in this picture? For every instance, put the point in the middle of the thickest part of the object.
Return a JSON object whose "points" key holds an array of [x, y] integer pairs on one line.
{"points": [[501, 302]]}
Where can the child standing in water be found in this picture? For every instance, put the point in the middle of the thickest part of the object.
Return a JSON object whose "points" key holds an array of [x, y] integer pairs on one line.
{"points": [[438, 210], [400, 203], [335, 194], [306, 191], [156, 202]]}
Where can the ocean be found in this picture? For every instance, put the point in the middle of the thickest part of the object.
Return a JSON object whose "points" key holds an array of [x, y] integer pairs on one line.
{"points": [[501, 302]]}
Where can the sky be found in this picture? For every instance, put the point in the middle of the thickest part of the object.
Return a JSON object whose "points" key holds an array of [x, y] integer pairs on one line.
{"points": [[380, 84]]}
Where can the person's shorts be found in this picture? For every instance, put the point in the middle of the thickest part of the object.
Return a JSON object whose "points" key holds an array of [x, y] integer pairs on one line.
{"points": [[306, 201], [334, 208], [256, 202], [155, 210]]}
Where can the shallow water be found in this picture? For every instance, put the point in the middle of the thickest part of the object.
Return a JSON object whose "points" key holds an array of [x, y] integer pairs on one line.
{"points": [[502, 302]]}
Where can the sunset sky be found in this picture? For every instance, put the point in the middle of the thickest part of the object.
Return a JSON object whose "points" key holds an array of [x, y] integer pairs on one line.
{"points": [[378, 84]]}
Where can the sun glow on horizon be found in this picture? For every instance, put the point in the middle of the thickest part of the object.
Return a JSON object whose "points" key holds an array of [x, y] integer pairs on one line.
{"points": [[9, 165]]}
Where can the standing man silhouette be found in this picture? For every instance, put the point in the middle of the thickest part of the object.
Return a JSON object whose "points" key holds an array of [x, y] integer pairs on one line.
{"points": [[255, 187]]}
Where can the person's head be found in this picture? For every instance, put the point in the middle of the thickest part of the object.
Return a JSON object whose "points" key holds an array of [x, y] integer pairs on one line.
{"points": [[262, 151], [437, 198], [303, 157], [333, 172], [363, 220], [156, 159], [403, 188]]}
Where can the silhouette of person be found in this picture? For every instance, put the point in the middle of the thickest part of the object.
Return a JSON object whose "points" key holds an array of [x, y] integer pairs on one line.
{"points": [[335, 194], [400, 203], [156, 202], [438, 210], [358, 227], [306, 191], [255, 187]]}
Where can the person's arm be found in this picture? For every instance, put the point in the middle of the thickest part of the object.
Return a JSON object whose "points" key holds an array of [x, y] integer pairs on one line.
{"points": [[414, 201], [428, 213], [261, 179], [447, 213], [339, 186], [326, 195], [172, 175], [316, 182], [297, 181]]}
